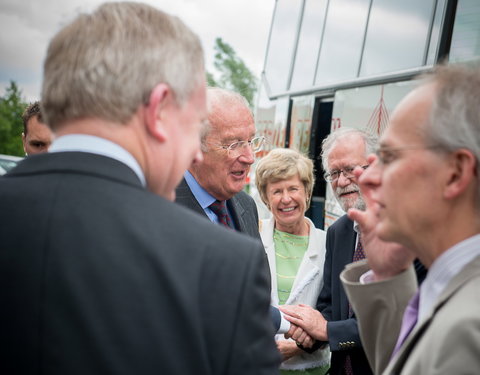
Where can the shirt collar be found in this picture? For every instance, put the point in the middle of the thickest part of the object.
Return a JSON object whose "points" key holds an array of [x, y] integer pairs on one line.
{"points": [[200, 194], [444, 269], [99, 146]]}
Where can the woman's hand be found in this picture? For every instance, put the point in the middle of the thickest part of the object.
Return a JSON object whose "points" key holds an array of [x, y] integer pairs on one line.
{"points": [[288, 349]]}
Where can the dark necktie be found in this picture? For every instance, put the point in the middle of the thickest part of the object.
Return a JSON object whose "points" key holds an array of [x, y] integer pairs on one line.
{"points": [[220, 209], [409, 320], [358, 254]]}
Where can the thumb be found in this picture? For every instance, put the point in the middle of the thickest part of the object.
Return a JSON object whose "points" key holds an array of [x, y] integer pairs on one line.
{"points": [[361, 217]]}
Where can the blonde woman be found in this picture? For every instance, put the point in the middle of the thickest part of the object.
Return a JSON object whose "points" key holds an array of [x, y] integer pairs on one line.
{"points": [[295, 248]]}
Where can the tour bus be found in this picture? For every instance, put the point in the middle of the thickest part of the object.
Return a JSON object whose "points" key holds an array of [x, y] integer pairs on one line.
{"points": [[334, 63]]}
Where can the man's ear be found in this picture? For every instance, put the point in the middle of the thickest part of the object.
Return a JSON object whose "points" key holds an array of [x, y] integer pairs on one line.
{"points": [[24, 141], [462, 169], [161, 98]]}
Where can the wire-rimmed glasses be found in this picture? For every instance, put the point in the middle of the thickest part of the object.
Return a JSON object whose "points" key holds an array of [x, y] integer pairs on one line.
{"points": [[236, 148], [334, 174]]}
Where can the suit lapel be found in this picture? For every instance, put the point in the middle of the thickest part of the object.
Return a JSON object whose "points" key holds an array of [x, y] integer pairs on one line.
{"points": [[471, 270], [185, 197], [346, 246], [237, 211]]}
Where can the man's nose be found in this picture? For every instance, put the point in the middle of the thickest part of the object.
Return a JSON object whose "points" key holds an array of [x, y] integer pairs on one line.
{"points": [[343, 181], [370, 179], [247, 155]]}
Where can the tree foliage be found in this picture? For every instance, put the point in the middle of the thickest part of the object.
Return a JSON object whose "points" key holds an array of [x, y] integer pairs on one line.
{"points": [[233, 73], [11, 126]]}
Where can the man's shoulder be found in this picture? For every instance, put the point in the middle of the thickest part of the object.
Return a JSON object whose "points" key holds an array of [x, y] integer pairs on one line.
{"points": [[246, 202], [341, 224], [244, 198]]}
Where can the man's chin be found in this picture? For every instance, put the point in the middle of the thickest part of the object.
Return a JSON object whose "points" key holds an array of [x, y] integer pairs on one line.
{"points": [[346, 205]]}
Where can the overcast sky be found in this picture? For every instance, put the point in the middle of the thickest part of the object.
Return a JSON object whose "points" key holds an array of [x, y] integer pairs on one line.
{"points": [[26, 27]]}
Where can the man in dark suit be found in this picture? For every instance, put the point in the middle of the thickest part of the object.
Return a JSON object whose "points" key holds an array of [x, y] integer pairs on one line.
{"points": [[336, 323], [101, 273], [228, 147]]}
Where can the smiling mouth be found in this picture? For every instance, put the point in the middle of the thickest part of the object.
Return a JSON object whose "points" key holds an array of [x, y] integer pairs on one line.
{"points": [[290, 209], [239, 174]]}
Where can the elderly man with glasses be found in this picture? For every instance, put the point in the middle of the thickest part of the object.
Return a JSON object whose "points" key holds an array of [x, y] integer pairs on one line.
{"points": [[334, 321], [214, 186]]}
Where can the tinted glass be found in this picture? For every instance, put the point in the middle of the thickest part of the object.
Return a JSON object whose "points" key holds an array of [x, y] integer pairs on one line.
{"points": [[466, 31], [342, 42], [308, 44], [281, 44], [436, 32], [397, 35]]}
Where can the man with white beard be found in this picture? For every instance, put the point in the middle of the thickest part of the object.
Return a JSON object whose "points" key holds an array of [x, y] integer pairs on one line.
{"points": [[334, 321]]}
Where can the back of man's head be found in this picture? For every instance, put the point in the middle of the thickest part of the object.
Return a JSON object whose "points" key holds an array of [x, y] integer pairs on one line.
{"points": [[455, 115], [104, 65]]}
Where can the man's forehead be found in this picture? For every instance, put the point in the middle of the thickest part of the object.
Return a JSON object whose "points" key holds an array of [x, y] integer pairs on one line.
{"points": [[351, 145], [233, 131]]}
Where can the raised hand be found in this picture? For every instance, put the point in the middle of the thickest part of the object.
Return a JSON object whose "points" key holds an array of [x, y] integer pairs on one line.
{"points": [[386, 259]]}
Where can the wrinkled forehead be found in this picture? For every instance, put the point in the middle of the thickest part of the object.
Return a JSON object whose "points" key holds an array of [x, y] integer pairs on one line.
{"points": [[347, 151], [232, 124]]}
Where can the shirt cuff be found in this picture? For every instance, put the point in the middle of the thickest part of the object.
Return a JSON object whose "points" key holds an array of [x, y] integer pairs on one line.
{"points": [[367, 278], [284, 324]]}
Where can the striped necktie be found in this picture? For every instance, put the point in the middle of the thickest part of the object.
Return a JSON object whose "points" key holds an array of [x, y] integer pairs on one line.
{"points": [[219, 208]]}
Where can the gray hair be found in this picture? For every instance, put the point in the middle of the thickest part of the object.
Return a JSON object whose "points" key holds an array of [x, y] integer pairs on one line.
{"points": [[370, 140], [106, 64], [219, 101], [454, 121], [281, 164]]}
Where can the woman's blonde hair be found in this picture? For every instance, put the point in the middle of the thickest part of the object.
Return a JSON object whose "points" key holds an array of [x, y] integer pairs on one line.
{"points": [[281, 164]]}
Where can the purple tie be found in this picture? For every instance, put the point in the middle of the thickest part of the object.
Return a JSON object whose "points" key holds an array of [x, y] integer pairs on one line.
{"points": [[220, 209], [409, 320]]}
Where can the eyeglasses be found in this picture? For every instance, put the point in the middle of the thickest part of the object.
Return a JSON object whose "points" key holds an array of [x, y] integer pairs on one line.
{"points": [[236, 148], [334, 175]]}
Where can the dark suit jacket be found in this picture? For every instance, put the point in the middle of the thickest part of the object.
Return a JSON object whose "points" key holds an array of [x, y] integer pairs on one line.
{"points": [[100, 276], [245, 216], [241, 206], [343, 333], [344, 338]]}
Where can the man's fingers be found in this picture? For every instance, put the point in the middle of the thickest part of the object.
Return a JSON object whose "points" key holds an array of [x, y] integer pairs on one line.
{"points": [[297, 321], [308, 342], [361, 217], [290, 311]]}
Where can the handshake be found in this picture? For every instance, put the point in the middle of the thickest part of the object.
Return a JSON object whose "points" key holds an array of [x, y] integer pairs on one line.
{"points": [[307, 324]]}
